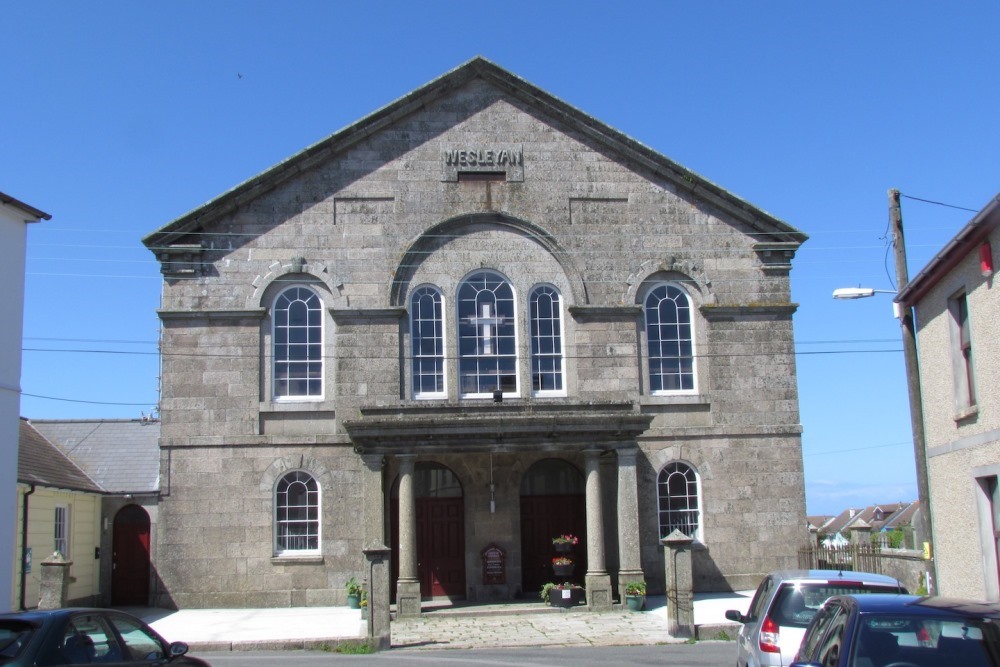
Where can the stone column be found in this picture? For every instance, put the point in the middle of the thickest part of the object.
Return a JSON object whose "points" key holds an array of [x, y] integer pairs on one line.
{"points": [[408, 584], [597, 581], [55, 582], [680, 584], [373, 498], [379, 581], [629, 552]]}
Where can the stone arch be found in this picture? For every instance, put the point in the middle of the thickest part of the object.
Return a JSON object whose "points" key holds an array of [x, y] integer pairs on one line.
{"points": [[430, 240], [318, 271], [692, 273]]}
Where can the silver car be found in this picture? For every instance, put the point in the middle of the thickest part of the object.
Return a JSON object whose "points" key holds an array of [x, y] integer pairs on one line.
{"points": [[784, 604]]}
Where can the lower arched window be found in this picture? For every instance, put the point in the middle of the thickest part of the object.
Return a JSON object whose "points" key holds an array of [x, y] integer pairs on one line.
{"points": [[296, 504], [677, 492]]}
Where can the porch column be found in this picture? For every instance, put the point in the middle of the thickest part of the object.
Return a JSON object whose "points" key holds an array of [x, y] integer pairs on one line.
{"points": [[597, 581], [408, 584], [373, 495], [629, 551]]}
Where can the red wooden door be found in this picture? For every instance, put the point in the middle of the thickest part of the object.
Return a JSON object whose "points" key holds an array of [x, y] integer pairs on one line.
{"points": [[441, 547], [542, 518], [130, 557]]}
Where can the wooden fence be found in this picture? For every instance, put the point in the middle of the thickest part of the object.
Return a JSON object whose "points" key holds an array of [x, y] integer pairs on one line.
{"points": [[854, 557]]}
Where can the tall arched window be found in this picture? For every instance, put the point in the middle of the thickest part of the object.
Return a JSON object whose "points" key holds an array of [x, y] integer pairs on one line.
{"points": [[296, 514], [427, 342], [298, 344], [545, 315], [670, 340], [677, 493], [487, 336]]}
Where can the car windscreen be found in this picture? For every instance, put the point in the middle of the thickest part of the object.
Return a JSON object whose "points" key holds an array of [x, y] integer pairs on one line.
{"points": [[14, 636], [921, 640], [796, 604]]}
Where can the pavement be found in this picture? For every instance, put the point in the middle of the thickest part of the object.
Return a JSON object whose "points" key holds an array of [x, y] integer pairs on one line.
{"points": [[518, 624]]}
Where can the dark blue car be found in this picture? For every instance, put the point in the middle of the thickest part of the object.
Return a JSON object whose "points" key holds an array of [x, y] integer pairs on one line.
{"points": [[902, 631], [84, 637]]}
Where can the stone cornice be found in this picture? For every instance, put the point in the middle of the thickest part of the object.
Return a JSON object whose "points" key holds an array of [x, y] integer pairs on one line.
{"points": [[235, 314], [714, 313]]}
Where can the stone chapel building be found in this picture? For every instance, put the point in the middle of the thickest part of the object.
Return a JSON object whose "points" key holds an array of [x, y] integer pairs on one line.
{"points": [[476, 317]]}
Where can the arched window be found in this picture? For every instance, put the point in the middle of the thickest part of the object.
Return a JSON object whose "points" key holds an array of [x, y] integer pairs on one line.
{"points": [[298, 344], [545, 316], [670, 340], [296, 509], [487, 336], [427, 342], [677, 493]]}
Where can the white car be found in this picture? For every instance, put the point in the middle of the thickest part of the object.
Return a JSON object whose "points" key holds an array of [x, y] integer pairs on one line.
{"points": [[784, 604]]}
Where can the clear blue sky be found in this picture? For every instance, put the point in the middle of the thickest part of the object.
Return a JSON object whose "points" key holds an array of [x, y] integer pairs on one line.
{"points": [[118, 117]]}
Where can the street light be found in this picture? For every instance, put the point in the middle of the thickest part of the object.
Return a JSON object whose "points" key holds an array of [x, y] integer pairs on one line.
{"points": [[906, 326]]}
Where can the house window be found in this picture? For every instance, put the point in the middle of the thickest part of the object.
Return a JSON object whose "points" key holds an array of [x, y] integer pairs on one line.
{"points": [[964, 382], [61, 530], [679, 509], [546, 341], [298, 344], [427, 342], [487, 336], [669, 340], [296, 506]]}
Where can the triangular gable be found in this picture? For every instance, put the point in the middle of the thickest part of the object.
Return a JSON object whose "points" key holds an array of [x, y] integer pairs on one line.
{"points": [[777, 232]]}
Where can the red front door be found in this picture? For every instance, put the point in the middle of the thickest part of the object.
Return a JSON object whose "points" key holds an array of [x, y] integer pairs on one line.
{"points": [[542, 518], [441, 547], [130, 557]]}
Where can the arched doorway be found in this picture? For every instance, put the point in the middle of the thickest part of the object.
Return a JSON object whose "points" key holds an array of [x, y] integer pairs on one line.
{"points": [[553, 502], [130, 557], [440, 517]]}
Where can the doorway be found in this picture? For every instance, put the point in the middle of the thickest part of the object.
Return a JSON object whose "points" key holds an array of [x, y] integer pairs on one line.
{"points": [[553, 502], [130, 557], [440, 519]]}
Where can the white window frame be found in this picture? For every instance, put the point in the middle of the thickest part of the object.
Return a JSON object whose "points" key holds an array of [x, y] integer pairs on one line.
{"points": [[963, 360], [547, 348], [61, 530], [428, 350], [689, 502], [282, 346], [669, 352], [312, 520], [487, 335]]}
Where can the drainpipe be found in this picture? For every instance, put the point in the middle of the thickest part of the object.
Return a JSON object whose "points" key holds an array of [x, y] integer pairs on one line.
{"points": [[24, 543]]}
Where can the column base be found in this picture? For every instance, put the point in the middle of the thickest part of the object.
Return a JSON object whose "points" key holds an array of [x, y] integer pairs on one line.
{"points": [[407, 598], [598, 592]]}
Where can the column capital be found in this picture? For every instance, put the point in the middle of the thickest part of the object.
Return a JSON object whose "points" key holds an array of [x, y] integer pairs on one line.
{"points": [[627, 455]]}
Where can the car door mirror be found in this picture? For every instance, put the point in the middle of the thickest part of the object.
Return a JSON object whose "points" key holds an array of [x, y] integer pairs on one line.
{"points": [[177, 649], [736, 616]]}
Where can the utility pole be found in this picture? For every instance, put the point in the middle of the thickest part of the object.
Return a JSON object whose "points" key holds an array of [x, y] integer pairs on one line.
{"points": [[906, 325]]}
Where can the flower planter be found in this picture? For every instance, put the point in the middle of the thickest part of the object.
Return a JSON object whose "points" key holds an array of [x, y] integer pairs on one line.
{"points": [[563, 547], [563, 570], [635, 602], [566, 597], [354, 601]]}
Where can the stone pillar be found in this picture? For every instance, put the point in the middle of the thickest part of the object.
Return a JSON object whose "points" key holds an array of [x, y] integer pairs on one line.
{"points": [[629, 552], [408, 584], [680, 584], [861, 533], [373, 498], [597, 581], [55, 582], [379, 581]]}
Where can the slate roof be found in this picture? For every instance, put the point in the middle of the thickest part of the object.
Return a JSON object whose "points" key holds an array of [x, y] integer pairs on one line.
{"points": [[543, 103], [122, 455], [42, 463]]}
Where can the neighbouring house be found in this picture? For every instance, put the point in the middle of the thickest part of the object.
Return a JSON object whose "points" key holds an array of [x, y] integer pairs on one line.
{"points": [[891, 525], [476, 318], [959, 367], [59, 510], [122, 457], [15, 216]]}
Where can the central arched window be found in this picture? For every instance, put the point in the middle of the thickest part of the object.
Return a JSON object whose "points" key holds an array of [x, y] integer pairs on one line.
{"points": [[669, 339], [545, 315], [427, 342], [298, 344], [296, 506], [677, 493], [487, 336]]}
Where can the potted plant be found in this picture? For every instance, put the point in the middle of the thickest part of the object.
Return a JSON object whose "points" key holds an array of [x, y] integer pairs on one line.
{"points": [[562, 566], [562, 595], [565, 543], [635, 595], [353, 593]]}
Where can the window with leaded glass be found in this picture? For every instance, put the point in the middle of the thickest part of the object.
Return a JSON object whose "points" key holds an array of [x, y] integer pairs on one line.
{"points": [[427, 342], [296, 505], [677, 495], [670, 340], [545, 315], [487, 336], [298, 344]]}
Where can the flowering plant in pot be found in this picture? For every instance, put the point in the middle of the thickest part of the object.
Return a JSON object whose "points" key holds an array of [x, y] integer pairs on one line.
{"points": [[571, 540], [562, 560], [565, 594], [635, 595], [562, 566], [354, 590]]}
